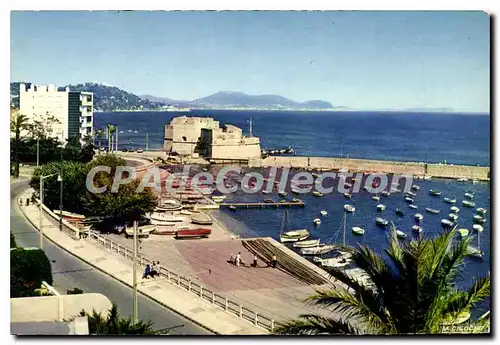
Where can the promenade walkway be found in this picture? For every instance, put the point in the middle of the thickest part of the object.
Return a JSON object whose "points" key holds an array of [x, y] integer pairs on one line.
{"points": [[171, 296]]}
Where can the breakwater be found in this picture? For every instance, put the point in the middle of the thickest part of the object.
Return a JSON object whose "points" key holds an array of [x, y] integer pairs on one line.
{"points": [[366, 165]]}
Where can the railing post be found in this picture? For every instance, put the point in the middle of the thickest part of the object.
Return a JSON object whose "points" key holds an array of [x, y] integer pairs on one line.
{"points": [[168, 275], [256, 320], [140, 260], [213, 298], [241, 311], [227, 304], [111, 246], [189, 285], [272, 325], [201, 291]]}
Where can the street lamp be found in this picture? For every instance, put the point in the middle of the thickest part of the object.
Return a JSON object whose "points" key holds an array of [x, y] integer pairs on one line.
{"points": [[59, 179], [41, 203]]}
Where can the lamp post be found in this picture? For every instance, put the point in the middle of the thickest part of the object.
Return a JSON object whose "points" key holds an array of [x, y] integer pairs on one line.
{"points": [[40, 208], [60, 179], [37, 152], [135, 311]]}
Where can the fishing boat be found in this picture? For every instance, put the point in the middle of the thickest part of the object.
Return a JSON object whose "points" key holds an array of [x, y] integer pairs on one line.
{"points": [[432, 210], [409, 200], [400, 234], [323, 213], [463, 232], [318, 250], [232, 207], [481, 211], [415, 187], [450, 201], [418, 217], [418, 229], [478, 227], [381, 207], [193, 233], [358, 231], [347, 195], [453, 216], [468, 203], [349, 208], [434, 192], [385, 193], [69, 216], [399, 212], [318, 194], [381, 222], [454, 209], [446, 223], [142, 231], [413, 206], [202, 219], [291, 235], [283, 194], [469, 195], [478, 219], [307, 244], [376, 197], [317, 221], [218, 198]]}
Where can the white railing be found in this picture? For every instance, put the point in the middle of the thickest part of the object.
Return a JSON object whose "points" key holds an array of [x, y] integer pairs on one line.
{"points": [[67, 228], [199, 290]]}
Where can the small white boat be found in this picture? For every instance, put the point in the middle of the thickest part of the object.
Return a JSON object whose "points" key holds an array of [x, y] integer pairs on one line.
{"points": [[218, 198], [376, 197], [349, 208], [432, 210], [413, 206], [306, 244], [450, 201], [266, 192], [160, 217], [468, 203], [186, 212], [400, 234], [347, 195], [341, 261], [453, 216], [446, 223], [454, 209], [385, 193], [358, 231], [418, 229], [283, 194], [317, 221], [381, 207], [415, 187], [463, 232], [478, 219], [381, 222], [409, 200], [411, 194], [324, 213], [478, 227], [418, 217], [469, 195], [427, 177], [318, 250], [481, 210], [142, 231], [294, 235], [318, 194], [463, 179]]}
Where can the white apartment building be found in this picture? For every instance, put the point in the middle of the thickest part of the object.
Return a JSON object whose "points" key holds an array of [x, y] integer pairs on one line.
{"points": [[73, 110]]}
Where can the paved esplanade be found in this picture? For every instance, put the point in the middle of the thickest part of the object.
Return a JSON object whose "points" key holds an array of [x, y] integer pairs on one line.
{"points": [[69, 272]]}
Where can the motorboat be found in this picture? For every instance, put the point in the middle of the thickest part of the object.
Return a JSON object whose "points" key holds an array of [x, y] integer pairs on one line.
{"points": [[454, 209], [418, 229], [202, 219], [478, 219], [307, 244], [232, 207], [435, 192], [453, 216], [318, 250], [294, 235], [432, 210], [478, 227], [415, 187], [418, 217], [218, 198], [323, 213], [399, 212], [400, 234], [192, 233], [409, 200], [385, 193], [450, 201], [463, 232], [413, 206], [347, 195], [381, 222], [481, 211], [318, 194], [446, 223], [349, 208], [468, 203], [376, 198], [296, 200], [411, 194], [317, 221], [358, 231], [381, 207], [283, 194], [469, 195]]}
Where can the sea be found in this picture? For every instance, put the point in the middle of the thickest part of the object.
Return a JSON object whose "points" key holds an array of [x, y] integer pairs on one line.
{"points": [[450, 138]]}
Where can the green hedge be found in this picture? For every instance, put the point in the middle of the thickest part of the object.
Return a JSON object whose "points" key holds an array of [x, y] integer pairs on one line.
{"points": [[28, 268]]}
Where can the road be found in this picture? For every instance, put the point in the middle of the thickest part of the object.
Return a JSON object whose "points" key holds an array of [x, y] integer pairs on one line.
{"points": [[69, 272]]}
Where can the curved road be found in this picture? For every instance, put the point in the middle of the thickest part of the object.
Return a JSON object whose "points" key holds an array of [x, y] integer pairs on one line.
{"points": [[69, 272]]}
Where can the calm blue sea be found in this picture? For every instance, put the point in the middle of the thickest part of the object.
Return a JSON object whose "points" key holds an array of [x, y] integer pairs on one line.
{"points": [[456, 138]]}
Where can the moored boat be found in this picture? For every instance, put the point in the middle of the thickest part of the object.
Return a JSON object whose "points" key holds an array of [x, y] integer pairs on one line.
{"points": [[469, 195], [376, 197], [468, 203], [434, 192], [410, 194], [399, 212], [283, 193], [432, 210], [142, 231], [318, 194], [463, 232], [232, 207], [323, 213], [381, 207], [385, 193], [446, 223], [317, 221], [481, 211], [192, 233], [413, 206], [160, 217], [453, 216], [307, 244], [418, 229], [418, 217], [358, 230], [294, 235], [400, 234], [450, 200], [478, 227], [218, 198], [478, 219], [415, 187], [265, 192], [296, 200], [409, 200], [202, 219], [347, 195], [349, 208], [381, 222], [463, 179], [454, 209], [318, 250]]}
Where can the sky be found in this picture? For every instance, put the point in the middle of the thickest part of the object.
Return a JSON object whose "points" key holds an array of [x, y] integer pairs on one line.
{"points": [[362, 60]]}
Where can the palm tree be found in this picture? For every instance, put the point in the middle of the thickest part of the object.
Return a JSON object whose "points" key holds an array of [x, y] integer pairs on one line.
{"points": [[413, 293], [110, 130], [113, 324], [18, 122], [99, 135]]}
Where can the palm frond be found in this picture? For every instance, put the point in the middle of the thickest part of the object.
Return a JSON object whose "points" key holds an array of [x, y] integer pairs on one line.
{"points": [[311, 324]]}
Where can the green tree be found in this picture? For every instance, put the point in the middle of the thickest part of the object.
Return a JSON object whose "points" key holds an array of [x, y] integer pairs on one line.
{"points": [[18, 123], [41, 126], [413, 293], [28, 268], [13, 243], [113, 324], [111, 128], [99, 135]]}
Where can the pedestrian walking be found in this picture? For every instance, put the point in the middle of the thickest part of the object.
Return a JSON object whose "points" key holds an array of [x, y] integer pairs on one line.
{"points": [[274, 261], [238, 259]]}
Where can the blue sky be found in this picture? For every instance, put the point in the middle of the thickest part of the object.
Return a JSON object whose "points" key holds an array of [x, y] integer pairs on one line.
{"points": [[363, 60]]}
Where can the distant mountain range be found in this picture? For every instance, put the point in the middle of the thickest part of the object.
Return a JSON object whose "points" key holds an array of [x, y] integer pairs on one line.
{"points": [[112, 98]]}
